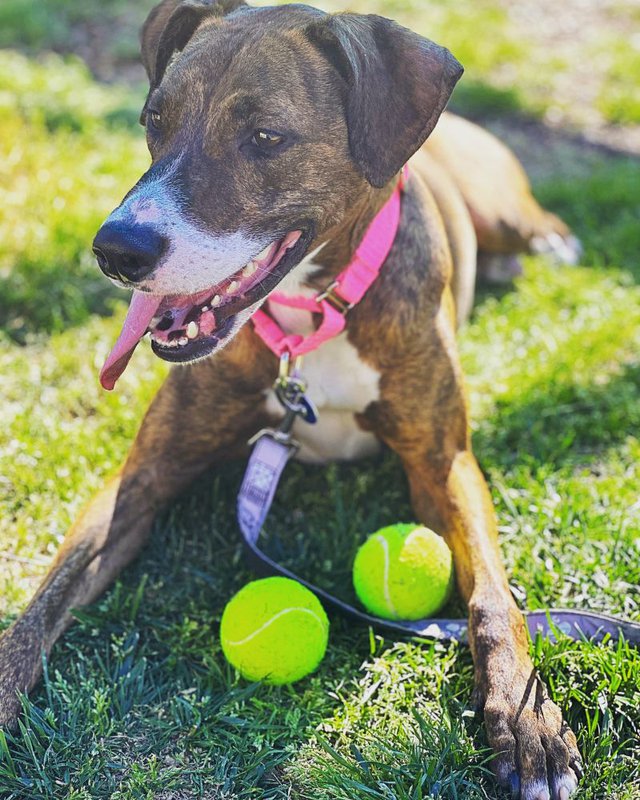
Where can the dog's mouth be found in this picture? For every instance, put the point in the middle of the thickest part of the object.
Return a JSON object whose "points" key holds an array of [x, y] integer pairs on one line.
{"points": [[185, 328]]}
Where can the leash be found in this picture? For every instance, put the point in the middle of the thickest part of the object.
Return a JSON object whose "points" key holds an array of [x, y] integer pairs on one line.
{"points": [[274, 447]]}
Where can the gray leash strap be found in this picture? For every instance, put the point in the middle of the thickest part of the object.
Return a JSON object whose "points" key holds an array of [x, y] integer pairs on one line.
{"points": [[272, 450], [266, 464]]}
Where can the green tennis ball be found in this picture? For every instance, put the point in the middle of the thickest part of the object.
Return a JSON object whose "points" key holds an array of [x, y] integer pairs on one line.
{"points": [[404, 571], [274, 630]]}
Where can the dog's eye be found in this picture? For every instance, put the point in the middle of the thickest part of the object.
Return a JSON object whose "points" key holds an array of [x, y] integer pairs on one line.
{"points": [[267, 140], [154, 120]]}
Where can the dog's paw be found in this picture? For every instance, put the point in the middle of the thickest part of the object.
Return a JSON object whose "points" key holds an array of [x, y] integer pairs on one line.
{"points": [[536, 754], [561, 249]]}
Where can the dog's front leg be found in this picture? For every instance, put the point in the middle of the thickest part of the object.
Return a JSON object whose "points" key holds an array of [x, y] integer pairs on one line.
{"points": [[421, 414], [202, 415], [536, 752]]}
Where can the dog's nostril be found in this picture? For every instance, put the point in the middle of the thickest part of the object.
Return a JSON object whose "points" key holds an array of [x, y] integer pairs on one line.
{"points": [[100, 258]]}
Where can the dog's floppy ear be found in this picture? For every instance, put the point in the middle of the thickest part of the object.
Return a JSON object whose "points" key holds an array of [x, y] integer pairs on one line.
{"points": [[169, 27], [396, 85]]}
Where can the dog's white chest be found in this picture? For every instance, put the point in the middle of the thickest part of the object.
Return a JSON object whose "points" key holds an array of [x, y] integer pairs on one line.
{"points": [[340, 385]]}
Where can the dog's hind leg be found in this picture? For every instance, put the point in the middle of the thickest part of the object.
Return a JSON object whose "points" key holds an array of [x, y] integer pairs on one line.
{"points": [[199, 417], [507, 218]]}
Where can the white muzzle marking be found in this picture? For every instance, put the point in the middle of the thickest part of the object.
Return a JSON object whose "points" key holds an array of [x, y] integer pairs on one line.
{"points": [[195, 259]]}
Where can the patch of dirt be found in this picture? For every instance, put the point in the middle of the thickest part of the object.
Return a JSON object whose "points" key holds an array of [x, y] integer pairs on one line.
{"points": [[583, 33]]}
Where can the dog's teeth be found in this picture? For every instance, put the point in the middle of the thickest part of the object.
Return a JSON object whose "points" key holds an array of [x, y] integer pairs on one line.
{"points": [[182, 341], [192, 330], [249, 270], [216, 300], [263, 254], [204, 309], [233, 287]]}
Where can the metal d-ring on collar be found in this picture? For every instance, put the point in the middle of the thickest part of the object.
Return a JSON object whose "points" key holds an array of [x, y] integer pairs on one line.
{"points": [[334, 299]]}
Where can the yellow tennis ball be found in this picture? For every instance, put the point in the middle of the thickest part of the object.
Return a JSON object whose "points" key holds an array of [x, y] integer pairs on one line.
{"points": [[274, 630], [404, 571]]}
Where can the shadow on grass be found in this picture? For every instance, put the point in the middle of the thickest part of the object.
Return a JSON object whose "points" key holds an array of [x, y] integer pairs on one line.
{"points": [[125, 116], [49, 299], [143, 673], [477, 100], [603, 208], [103, 34], [562, 424]]}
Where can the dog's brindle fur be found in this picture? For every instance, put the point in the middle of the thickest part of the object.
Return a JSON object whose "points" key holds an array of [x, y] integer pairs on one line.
{"points": [[357, 97]]}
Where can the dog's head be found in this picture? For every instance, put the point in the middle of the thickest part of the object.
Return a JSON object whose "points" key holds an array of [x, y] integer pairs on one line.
{"points": [[265, 127]]}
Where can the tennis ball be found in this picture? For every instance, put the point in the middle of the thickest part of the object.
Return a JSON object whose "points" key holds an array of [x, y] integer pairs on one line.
{"points": [[404, 571], [274, 630]]}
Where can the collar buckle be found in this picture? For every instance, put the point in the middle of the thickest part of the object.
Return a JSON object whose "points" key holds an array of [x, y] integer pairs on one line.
{"points": [[334, 299]]}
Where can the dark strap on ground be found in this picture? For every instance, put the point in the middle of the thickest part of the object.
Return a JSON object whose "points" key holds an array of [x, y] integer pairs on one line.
{"points": [[266, 464]]}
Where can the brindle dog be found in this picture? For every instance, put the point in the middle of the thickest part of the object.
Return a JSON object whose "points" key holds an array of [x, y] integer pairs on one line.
{"points": [[276, 135]]}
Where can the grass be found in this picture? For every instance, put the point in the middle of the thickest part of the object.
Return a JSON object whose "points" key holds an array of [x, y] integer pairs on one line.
{"points": [[619, 98], [54, 117], [137, 700], [602, 201]]}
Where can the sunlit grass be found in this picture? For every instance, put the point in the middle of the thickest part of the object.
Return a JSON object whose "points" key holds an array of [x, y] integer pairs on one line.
{"points": [[67, 155]]}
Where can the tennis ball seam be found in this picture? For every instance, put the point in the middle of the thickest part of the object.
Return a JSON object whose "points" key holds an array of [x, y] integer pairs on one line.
{"points": [[385, 576], [270, 621]]}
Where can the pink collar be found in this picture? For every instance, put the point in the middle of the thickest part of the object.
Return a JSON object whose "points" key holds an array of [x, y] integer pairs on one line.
{"points": [[348, 288]]}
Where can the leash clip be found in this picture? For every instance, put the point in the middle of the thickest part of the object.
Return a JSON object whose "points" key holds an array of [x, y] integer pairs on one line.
{"points": [[290, 389]]}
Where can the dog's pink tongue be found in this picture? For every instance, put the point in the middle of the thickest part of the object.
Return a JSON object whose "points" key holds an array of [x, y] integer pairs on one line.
{"points": [[141, 311]]}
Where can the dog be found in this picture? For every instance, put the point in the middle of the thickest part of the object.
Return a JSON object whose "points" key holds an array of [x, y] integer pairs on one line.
{"points": [[277, 135]]}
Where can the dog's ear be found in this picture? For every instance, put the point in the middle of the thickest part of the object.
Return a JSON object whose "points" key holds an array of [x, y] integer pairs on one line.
{"points": [[169, 27], [396, 86]]}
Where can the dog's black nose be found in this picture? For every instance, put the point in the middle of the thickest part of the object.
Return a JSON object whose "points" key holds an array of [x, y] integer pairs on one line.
{"points": [[128, 252]]}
